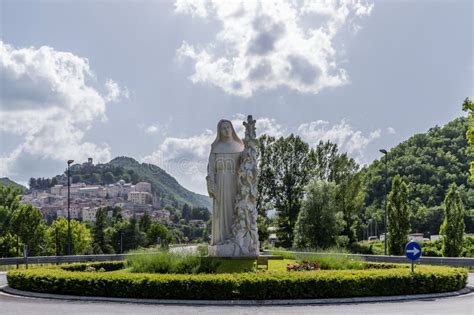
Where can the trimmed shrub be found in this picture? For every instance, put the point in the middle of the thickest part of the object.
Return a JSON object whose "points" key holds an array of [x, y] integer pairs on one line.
{"points": [[166, 262], [281, 285], [106, 265]]}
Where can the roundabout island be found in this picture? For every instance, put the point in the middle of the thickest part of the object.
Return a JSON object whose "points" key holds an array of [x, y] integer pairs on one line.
{"points": [[190, 277], [228, 269]]}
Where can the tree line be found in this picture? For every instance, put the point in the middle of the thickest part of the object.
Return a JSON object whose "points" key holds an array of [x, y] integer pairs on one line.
{"points": [[322, 197], [23, 224]]}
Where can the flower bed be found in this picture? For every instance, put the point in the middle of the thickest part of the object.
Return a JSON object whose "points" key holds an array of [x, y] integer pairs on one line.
{"points": [[254, 286], [304, 265]]}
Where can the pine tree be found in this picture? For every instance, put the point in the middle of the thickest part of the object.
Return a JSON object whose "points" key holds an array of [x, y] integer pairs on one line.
{"points": [[453, 226], [398, 216], [101, 242]]}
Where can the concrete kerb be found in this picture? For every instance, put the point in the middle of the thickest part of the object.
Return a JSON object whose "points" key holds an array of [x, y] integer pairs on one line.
{"points": [[373, 299]]}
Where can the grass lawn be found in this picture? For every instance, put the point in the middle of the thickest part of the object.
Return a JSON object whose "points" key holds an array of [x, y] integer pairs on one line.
{"points": [[241, 265]]}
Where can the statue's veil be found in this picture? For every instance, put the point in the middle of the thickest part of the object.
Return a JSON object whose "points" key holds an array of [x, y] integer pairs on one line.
{"points": [[218, 137]]}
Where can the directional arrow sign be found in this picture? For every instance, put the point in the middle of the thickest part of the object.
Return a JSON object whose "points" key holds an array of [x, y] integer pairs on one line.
{"points": [[413, 250]]}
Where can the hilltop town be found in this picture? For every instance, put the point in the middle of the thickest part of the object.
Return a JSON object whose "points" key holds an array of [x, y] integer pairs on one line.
{"points": [[86, 199]]}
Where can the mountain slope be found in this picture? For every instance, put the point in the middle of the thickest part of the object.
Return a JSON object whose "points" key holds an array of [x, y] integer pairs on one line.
{"points": [[6, 181], [162, 183], [429, 162]]}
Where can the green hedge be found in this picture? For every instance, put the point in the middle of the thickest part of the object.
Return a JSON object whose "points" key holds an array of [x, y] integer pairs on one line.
{"points": [[283, 285], [106, 265]]}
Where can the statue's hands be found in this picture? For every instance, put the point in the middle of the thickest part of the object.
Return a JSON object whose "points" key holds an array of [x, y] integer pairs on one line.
{"points": [[211, 188]]}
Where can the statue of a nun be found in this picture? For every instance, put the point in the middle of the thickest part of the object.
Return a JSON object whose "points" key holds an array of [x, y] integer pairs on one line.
{"points": [[222, 177]]}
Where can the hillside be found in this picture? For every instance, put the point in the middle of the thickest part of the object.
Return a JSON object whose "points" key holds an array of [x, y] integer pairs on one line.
{"points": [[429, 162], [128, 169], [162, 183], [6, 181]]}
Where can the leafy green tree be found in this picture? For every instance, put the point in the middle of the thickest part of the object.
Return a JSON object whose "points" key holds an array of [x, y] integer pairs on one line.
{"points": [[186, 212], [317, 225], [9, 202], [453, 226], [350, 202], [429, 162], [109, 178], [132, 236], [286, 175], [398, 216], [76, 178], [145, 221], [157, 231], [468, 106], [427, 220], [81, 237], [32, 182], [330, 165], [28, 224], [101, 243], [8, 245], [264, 183], [200, 213]]}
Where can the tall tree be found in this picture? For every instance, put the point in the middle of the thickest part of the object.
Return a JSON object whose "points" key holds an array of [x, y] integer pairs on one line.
{"points": [[468, 106], [350, 202], [265, 176], [101, 241], [145, 221], [158, 232], [28, 224], [317, 226], [186, 212], [325, 158], [398, 216], [81, 237], [9, 202], [132, 236], [453, 226], [290, 164]]}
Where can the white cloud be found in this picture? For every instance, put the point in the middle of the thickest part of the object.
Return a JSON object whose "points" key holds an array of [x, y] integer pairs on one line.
{"points": [[47, 99], [344, 135], [114, 92], [391, 130], [194, 8], [157, 127], [186, 157], [152, 129], [271, 43]]}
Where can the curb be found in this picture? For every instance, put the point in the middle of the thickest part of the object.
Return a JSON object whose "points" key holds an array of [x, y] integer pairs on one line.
{"points": [[371, 299]]}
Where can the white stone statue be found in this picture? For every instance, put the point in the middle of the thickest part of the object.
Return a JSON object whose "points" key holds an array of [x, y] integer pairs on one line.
{"points": [[231, 183]]}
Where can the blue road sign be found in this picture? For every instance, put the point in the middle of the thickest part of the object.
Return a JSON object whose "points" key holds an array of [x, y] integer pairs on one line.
{"points": [[413, 250]]}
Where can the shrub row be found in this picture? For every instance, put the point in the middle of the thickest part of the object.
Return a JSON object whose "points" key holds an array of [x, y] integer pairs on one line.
{"points": [[167, 262], [254, 286], [106, 265]]}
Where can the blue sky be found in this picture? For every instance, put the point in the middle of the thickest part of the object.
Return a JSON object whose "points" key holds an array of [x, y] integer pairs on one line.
{"points": [[150, 79]]}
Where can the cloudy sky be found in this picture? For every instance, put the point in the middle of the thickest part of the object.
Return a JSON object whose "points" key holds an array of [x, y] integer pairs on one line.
{"points": [[150, 79]]}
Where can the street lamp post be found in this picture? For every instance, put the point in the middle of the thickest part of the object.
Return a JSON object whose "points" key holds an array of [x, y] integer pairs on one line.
{"points": [[68, 208], [385, 188]]}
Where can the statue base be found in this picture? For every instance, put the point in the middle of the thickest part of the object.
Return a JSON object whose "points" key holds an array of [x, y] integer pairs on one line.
{"points": [[230, 249]]}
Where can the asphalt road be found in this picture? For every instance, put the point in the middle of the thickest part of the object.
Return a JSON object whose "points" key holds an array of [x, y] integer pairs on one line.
{"points": [[18, 305]]}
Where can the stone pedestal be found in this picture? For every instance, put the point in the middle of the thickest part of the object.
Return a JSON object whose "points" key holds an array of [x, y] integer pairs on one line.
{"points": [[229, 249]]}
